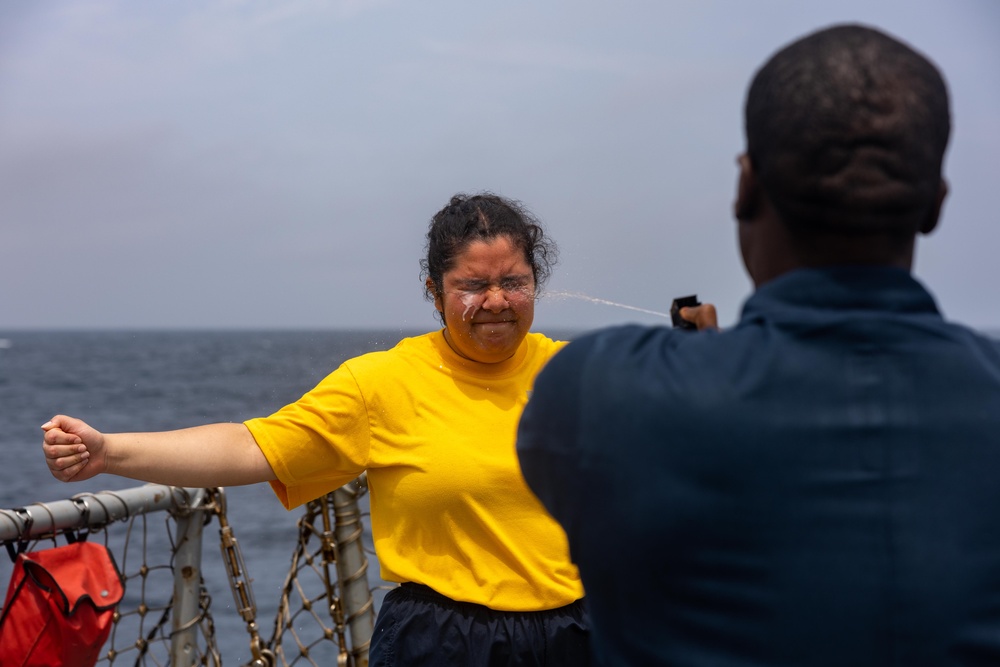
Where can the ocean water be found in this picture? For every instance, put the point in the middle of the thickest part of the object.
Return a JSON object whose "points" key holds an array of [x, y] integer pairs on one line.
{"points": [[148, 381]]}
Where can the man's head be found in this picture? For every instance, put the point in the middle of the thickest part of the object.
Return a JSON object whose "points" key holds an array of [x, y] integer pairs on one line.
{"points": [[846, 131]]}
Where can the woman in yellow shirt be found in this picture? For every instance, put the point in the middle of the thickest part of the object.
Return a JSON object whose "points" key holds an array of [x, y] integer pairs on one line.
{"points": [[485, 571]]}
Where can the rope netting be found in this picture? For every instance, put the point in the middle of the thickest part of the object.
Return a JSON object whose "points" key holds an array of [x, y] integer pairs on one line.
{"points": [[325, 612], [141, 632]]}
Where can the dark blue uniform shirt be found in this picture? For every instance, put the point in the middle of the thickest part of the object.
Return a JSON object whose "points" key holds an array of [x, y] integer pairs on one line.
{"points": [[816, 486]]}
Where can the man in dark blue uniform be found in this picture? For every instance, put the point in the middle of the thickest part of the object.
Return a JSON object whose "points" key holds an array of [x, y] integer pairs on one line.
{"points": [[817, 485]]}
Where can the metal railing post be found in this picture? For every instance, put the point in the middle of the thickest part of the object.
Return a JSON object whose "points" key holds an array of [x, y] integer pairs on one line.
{"points": [[352, 568], [187, 584]]}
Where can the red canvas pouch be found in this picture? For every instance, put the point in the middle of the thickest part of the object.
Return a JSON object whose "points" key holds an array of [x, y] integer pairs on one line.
{"points": [[59, 606]]}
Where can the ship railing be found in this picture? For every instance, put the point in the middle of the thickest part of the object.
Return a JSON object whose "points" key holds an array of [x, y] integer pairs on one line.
{"points": [[166, 618]]}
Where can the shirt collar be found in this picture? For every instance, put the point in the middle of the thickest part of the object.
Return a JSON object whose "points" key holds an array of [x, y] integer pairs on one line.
{"points": [[498, 369], [842, 289]]}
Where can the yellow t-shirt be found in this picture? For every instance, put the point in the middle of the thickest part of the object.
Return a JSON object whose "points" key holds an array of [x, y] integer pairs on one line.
{"points": [[436, 433]]}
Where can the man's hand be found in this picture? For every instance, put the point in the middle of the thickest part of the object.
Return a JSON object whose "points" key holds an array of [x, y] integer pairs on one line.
{"points": [[703, 316]]}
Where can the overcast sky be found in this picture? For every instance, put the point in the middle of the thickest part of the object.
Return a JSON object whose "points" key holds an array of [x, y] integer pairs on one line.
{"points": [[275, 164]]}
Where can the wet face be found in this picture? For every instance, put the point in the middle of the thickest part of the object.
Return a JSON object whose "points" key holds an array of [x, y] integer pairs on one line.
{"points": [[489, 300]]}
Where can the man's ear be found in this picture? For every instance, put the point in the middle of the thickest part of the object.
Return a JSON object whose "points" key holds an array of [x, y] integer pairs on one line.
{"points": [[935, 213], [747, 191]]}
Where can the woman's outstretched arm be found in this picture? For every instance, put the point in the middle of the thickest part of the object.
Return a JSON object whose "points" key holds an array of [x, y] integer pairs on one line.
{"points": [[211, 455]]}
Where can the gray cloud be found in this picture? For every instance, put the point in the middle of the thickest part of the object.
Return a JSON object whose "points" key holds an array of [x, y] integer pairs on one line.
{"points": [[246, 164]]}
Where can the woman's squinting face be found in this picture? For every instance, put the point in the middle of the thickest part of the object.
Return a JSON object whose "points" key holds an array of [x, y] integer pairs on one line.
{"points": [[489, 300]]}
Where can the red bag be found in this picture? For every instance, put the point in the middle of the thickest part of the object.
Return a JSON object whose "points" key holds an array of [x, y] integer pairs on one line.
{"points": [[59, 606]]}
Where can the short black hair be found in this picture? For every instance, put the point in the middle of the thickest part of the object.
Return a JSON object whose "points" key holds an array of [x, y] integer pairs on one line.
{"points": [[846, 129]]}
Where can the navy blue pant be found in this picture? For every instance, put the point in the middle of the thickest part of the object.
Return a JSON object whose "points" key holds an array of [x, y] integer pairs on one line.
{"points": [[418, 627]]}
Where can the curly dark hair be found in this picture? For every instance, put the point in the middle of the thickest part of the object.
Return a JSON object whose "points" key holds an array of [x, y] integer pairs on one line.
{"points": [[483, 217], [846, 129]]}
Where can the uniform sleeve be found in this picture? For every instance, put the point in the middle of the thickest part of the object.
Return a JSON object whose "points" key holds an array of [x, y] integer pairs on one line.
{"points": [[319, 443], [548, 442]]}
